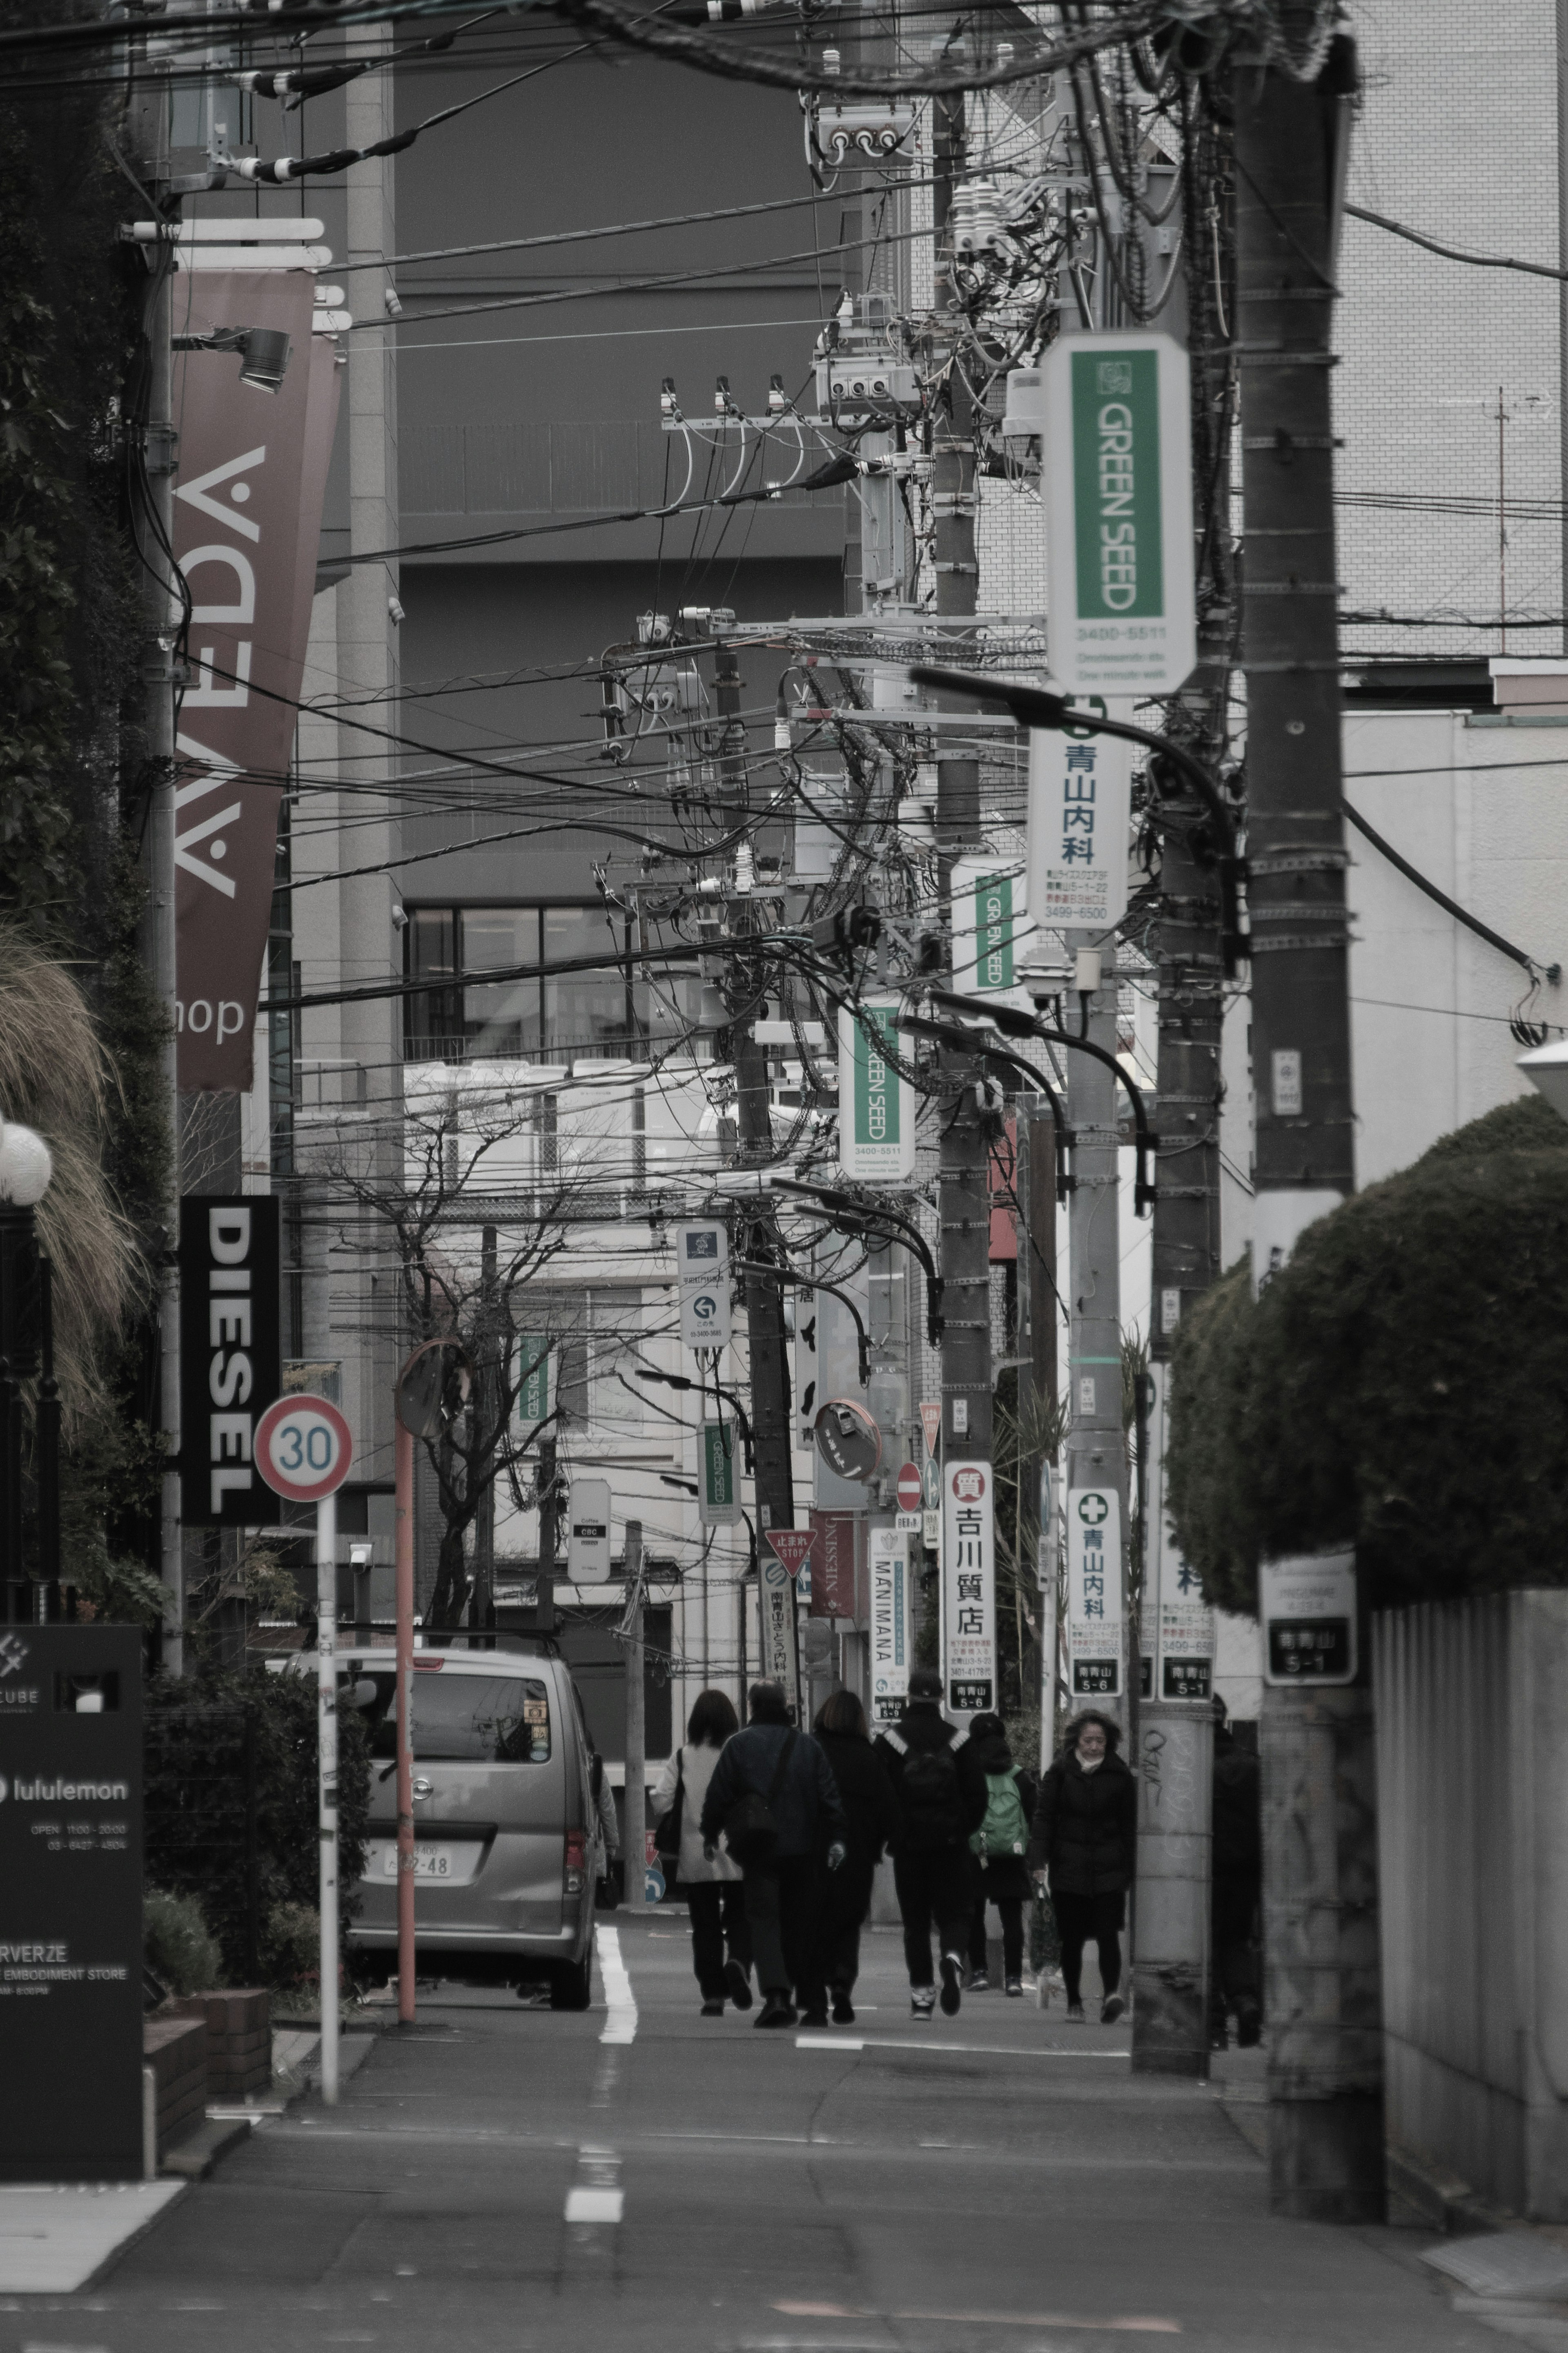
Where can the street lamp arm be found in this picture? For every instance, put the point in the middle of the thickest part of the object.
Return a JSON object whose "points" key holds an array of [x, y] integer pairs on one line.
{"points": [[1031, 706], [815, 1283], [682, 1381], [947, 1035], [864, 1212]]}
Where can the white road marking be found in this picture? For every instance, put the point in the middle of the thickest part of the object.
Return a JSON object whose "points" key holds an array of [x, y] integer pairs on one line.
{"points": [[595, 2205], [921, 2043], [621, 2025]]}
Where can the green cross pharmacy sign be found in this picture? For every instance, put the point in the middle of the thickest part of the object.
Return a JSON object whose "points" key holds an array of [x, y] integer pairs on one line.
{"points": [[1119, 514]]}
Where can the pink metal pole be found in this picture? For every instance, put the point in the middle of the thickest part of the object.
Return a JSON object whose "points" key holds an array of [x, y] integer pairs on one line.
{"points": [[405, 1709]]}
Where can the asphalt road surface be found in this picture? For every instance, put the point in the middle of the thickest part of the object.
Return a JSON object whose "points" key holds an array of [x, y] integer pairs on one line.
{"points": [[640, 2177]]}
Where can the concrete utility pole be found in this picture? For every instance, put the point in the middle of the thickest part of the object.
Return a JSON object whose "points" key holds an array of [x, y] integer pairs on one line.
{"points": [[1171, 1960], [1321, 1909], [634, 1827], [964, 1192], [771, 1437], [1095, 1451], [149, 139]]}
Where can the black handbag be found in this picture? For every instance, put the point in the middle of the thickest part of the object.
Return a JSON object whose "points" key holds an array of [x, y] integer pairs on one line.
{"points": [[752, 1830], [667, 1830]]}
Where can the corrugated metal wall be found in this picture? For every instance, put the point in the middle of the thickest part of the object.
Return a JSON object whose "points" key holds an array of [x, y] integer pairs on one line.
{"points": [[1472, 1735]]}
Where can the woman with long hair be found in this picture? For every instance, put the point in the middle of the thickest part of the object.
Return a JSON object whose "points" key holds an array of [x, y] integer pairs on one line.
{"points": [[715, 1898]]}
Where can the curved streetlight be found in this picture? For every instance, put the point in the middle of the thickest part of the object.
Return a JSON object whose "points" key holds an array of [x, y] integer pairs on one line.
{"points": [[849, 1207], [684, 1381], [815, 1283], [1031, 706], [1019, 1025]]}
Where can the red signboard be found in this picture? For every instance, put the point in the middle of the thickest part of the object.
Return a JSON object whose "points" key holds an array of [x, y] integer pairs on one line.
{"points": [[911, 1488], [834, 1564], [792, 1546], [248, 519]]}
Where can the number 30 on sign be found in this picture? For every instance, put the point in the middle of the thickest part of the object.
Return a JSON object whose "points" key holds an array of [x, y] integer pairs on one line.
{"points": [[304, 1449]]}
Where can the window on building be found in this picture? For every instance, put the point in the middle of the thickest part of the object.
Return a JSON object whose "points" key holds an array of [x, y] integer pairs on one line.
{"points": [[586, 1013]]}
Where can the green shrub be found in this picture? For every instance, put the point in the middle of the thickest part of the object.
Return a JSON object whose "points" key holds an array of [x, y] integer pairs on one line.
{"points": [[179, 1948], [1399, 1387], [197, 1799], [292, 1947]]}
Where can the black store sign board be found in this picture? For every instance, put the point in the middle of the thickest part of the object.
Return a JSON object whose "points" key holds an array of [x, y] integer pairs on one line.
{"points": [[70, 1922], [231, 1366]]}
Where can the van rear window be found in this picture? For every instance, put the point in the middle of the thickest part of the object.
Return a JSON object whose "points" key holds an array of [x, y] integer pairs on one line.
{"points": [[460, 1719]]}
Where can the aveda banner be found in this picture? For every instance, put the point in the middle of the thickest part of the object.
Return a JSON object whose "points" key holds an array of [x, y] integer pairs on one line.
{"points": [[248, 516]]}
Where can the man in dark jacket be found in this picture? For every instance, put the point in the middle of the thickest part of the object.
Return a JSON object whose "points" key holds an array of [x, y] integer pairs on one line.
{"points": [[941, 1797], [781, 1888], [873, 1815], [1086, 1837], [1235, 1887]]}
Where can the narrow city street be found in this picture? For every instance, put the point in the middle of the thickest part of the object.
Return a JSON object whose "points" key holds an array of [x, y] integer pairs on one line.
{"points": [[637, 2175]]}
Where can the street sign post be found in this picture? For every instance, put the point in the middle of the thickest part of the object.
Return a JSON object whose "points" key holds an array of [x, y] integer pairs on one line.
{"points": [[718, 1474], [1117, 485], [1080, 813], [70, 1865], [702, 1274], [876, 1105], [910, 1491], [891, 1638], [775, 1615], [304, 1450], [1309, 1609], [588, 1532], [1094, 1592], [969, 1587], [794, 1546]]}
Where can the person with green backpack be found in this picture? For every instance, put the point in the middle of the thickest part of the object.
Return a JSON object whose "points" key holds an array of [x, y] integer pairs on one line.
{"points": [[1000, 1846]]}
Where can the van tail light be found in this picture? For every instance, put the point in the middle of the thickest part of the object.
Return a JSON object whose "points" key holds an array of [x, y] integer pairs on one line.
{"points": [[576, 1876]]}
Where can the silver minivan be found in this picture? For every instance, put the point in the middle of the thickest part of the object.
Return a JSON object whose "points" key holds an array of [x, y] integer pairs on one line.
{"points": [[507, 1840]]}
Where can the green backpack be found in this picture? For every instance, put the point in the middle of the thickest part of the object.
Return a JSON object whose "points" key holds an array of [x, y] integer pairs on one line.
{"points": [[1005, 1829]]}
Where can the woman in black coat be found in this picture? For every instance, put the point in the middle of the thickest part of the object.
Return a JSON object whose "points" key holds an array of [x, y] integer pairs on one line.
{"points": [[1086, 1837], [999, 1847], [873, 1812]]}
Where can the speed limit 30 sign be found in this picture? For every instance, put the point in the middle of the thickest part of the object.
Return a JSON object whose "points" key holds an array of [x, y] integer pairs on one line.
{"points": [[304, 1449]]}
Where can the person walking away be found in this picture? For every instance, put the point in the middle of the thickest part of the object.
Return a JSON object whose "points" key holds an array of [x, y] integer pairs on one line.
{"points": [[1236, 1888], [1086, 1837], [715, 1897], [774, 1795], [941, 1797], [873, 1821], [1000, 1847]]}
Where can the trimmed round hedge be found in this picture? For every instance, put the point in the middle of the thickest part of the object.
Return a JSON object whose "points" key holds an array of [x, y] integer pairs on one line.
{"points": [[1402, 1385]]}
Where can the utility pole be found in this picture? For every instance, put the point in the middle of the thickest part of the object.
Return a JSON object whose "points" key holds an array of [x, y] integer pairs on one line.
{"points": [[634, 1830], [1319, 1839], [150, 143], [1172, 1961], [964, 1195], [771, 1437]]}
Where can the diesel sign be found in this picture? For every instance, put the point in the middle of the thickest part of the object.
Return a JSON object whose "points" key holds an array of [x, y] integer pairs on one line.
{"points": [[231, 1369]]}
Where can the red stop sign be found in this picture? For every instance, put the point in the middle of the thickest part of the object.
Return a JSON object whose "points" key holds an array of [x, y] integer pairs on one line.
{"points": [[911, 1489]]}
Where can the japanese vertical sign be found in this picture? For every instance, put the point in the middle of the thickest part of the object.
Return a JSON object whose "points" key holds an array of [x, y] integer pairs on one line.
{"points": [[534, 1383], [775, 1623], [702, 1273], [1080, 815], [717, 1475], [1309, 1612], [1119, 533], [889, 1624], [1094, 1592], [833, 1584], [231, 1366], [969, 1587], [991, 927], [1184, 1623], [875, 1106], [248, 518]]}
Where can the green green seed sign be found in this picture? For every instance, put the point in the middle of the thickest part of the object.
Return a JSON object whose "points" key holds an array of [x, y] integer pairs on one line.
{"points": [[1118, 487], [875, 1106], [719, 1474], [533, 1388]]}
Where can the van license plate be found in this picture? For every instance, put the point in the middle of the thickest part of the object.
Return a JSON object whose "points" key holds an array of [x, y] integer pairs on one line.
{"points": [[432, 1860]]}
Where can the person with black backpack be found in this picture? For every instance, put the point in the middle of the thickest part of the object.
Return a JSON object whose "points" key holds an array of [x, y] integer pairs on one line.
{"points": [[773, 1795], [940, 1795], [1000, 1848]]}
